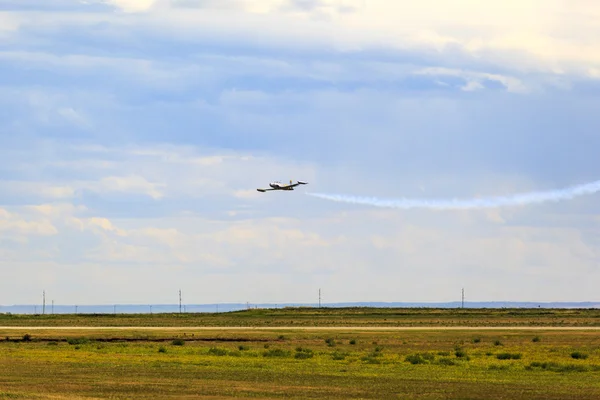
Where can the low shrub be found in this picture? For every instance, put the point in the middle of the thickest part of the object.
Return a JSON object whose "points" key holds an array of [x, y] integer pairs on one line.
{"points": [[508, 356], [371, 360], [556, 367], [460, 353], [277, 353], [446, 361], [420, 358], [579, 355], [216, 351], [302, 354], [338, 355], [75, 341], [178, 342]]}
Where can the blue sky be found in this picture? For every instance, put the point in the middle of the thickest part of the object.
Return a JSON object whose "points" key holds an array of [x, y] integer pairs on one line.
{"points": [[135, 132]]}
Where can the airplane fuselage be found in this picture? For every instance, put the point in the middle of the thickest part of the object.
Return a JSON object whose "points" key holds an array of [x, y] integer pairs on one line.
{"points": [[279, 186]]}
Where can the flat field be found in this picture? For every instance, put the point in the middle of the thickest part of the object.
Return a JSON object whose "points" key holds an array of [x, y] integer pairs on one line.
{"points": [[358, 362], [326, 317]]}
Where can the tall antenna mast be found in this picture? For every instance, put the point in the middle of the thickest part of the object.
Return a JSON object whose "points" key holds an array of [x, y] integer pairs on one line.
{"points": [[463, 298], [319, 297], [180, 301], [44, 302]]}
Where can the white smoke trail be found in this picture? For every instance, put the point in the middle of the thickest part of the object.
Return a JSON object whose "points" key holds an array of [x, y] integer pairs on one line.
{"points": [[465, 204]]}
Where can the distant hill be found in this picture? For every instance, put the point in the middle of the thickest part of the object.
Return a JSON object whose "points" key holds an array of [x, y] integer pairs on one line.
{"points": [[225, 307]]}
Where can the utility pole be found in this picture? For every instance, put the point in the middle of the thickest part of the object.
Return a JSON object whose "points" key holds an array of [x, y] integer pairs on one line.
{"points": [[179, 301], [463, 298], [319, 297], [52, 307], [44, 302]]}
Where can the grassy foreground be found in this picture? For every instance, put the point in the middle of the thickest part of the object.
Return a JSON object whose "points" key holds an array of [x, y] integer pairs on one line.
{"points": [[355, 316], [294, 363]]}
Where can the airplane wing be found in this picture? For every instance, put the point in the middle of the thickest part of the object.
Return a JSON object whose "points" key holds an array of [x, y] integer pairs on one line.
{"points": [[264, 190], [291, 185]]}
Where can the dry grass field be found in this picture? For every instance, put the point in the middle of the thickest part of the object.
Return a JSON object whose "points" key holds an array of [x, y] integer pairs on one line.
{"points": [[269, 363]]}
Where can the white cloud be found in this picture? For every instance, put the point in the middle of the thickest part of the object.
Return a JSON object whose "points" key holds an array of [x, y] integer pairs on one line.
{"points": [[19, 226], [105, 224], [515, 34], [9, 23], [519, 35], [73, 116], [132, 5], [128, 184], [38, 189], [474, 79]]}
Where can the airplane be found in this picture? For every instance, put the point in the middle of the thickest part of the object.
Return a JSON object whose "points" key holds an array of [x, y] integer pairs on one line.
{"points": [[279, 186]]}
